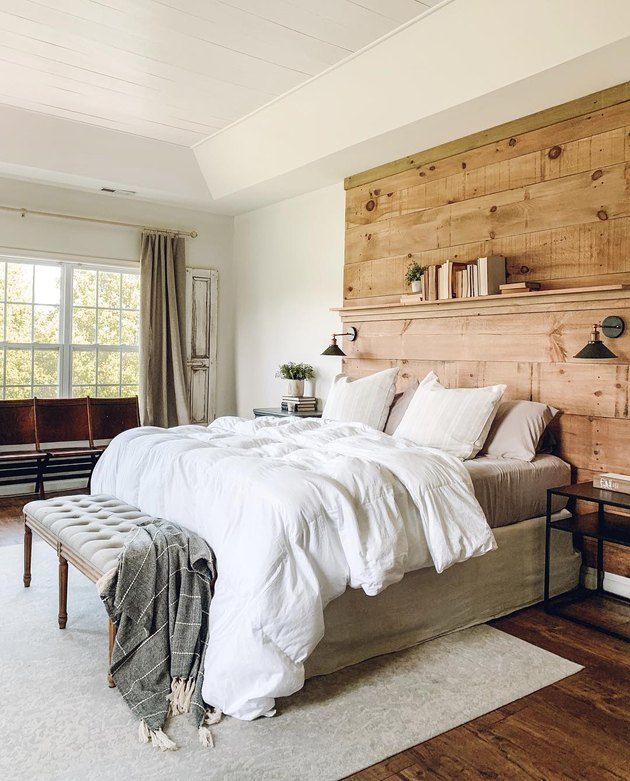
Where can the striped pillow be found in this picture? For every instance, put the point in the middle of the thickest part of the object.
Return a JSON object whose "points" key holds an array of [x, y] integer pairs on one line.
{"points": [[455, 420], [366, 400]]}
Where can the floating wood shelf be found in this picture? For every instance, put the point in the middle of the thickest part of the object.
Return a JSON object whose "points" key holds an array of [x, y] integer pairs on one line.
{"points": [[412, 306]]}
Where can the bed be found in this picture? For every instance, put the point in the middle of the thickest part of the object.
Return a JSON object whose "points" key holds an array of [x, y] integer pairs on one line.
{"points": [[309, 516]]}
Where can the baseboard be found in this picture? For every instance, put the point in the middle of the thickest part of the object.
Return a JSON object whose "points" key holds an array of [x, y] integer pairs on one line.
{"points": [[616, 584], [51, 486]]}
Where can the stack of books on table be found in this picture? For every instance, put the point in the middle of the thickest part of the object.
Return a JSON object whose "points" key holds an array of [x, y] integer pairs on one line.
{"points": [[302, 405], [611, 481]]}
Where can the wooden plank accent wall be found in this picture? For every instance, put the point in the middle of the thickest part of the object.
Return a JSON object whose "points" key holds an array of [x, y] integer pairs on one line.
{"points": [[550, 192]]}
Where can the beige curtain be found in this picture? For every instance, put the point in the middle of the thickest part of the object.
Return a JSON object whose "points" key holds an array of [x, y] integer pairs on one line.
{"points": [[163, 380]]}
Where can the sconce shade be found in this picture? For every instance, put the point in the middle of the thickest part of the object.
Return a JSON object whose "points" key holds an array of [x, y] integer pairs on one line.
{"points": [[334, 349], [595, 349]]}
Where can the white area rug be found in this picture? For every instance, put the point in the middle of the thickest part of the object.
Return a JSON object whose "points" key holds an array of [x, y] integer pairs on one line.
{"points": [[60, 721]]}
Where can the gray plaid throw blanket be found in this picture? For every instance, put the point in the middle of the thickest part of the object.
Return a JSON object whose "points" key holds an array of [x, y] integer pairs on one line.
{"points": [[159, 598]]}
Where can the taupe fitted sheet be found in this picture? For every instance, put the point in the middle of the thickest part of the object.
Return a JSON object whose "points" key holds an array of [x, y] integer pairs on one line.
{"points": [[510, 491]]}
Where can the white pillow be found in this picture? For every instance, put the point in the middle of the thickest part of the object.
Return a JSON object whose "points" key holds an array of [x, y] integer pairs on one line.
{"points": [[366, 400], [456, 420]]}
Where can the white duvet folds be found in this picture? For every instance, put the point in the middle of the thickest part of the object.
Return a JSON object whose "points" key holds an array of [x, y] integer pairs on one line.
{"points": [[295, 510]]}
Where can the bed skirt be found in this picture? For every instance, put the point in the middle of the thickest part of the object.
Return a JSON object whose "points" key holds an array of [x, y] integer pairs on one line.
{"points": [[425, 604]]}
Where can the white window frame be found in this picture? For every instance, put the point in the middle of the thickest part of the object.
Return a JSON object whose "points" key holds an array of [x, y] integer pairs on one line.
{"points": [[64, 345]]}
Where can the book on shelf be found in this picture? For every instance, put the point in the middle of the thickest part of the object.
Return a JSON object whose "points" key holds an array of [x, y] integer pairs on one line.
{"points": [[519, 287], [492, 274], [610, 481], [447, 278], [429, 284]]}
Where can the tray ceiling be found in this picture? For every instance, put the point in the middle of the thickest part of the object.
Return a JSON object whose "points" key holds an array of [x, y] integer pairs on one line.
{"points": [[177, 70]]}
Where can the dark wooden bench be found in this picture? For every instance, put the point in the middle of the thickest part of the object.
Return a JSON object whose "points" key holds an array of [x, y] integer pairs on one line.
{"points": [[58, 438]]}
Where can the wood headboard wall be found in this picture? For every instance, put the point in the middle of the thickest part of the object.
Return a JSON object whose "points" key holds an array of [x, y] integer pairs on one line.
{"points": [[551, 192]]}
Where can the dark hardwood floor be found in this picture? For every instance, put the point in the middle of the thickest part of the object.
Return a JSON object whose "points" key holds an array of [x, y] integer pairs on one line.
{"points": [[578, 728]]}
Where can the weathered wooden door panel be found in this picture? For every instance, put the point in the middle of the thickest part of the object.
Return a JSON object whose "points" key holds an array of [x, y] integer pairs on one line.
{"points": [[201, 296]]}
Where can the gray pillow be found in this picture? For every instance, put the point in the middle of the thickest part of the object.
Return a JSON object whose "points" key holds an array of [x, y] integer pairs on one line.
{"points": [[518, 429], [399, 407]]}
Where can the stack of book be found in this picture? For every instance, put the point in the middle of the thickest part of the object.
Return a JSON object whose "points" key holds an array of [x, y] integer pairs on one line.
{"points": [[520, 287], [454, 279], [611, 481], [302, 405]]}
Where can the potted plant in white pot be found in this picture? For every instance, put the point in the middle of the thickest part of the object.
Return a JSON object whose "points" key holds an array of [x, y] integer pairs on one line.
{"points": [[295, 373], [414, 276]]}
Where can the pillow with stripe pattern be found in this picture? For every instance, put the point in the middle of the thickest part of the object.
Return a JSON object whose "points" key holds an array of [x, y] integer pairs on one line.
{"points": [[364, 400], [455, 420]]}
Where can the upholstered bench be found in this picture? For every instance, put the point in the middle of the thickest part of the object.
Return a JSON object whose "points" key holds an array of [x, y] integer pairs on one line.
{"points": [[87, 531]]}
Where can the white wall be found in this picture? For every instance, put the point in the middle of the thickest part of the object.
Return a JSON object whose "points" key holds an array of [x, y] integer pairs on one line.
{"points": [[34, 236], [289, 263]]}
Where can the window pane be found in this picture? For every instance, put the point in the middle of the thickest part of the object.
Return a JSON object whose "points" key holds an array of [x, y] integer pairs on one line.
{"points": [[46, 324], [130, 323], [46, 367], [47, 284], [84, 326], [108, 326], [83, 367], [20, 282], [107, 391], [83, 287], [108, 368], [129, 390], [83, 390], [3, 269], [109, 289], [22, 392], [130, 368], [46, 391], [19, 323], [18, 368], [1, 322], [131, 291]]}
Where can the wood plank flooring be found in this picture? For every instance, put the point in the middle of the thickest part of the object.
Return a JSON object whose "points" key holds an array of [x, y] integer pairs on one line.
{"points": [[578, 728]]}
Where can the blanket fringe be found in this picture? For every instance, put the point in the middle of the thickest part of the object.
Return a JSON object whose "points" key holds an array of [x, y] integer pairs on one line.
{"points": [[180, 698], [212, 716], [156, 737]]}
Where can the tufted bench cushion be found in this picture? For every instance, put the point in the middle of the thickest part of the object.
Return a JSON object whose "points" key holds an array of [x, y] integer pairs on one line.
{"points": [[93, 528]]}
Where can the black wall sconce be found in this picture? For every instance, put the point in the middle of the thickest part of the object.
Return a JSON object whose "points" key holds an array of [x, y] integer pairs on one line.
{"points": [[334, 349], [612, 327]]}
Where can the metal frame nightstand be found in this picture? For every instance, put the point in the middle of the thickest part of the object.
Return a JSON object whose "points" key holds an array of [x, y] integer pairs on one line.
{"points": [[603, 527]]}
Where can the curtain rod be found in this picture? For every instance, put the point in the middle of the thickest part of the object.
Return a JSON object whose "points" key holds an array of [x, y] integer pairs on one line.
{"points": [[192, 234]]}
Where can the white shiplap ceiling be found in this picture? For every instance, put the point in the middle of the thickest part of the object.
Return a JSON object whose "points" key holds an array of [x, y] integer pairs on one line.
{"points": [[177, 70]]}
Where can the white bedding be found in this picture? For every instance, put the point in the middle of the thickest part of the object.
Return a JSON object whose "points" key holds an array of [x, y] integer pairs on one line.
{"points": [[295, 510]]}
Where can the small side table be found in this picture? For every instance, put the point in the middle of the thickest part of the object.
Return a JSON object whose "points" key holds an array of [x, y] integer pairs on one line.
{"points": [[277, 412], [584, 605]]}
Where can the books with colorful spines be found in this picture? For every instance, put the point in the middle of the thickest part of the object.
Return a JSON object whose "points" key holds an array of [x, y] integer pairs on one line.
{"points": [[610, 481], [492, 274]]}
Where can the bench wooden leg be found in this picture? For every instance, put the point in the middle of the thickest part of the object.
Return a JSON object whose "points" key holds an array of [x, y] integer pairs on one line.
{"points": [[112, 639], [28, 551], [63, 592]]}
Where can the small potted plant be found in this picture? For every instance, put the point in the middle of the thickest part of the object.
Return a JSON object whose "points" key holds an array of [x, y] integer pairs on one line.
{"points": [[414, 276], [295, 373]]}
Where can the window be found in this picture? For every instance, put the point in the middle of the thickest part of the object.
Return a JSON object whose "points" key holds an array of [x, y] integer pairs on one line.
{"points": [[68, 330]]}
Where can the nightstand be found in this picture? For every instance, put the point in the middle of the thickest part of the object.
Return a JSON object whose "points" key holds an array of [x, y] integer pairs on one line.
{"points": [[597, 608], [277, 412]]}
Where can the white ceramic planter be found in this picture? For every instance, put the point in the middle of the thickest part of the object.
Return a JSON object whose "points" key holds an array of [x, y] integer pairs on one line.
{"points": [[416, 286], [295, 387]]}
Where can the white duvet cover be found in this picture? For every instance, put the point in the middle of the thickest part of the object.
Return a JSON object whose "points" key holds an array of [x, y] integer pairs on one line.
{"points": [[295, 511]]}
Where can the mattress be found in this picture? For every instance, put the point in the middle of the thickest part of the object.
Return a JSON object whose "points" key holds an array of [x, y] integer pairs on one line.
{"points": [[510, 490]]}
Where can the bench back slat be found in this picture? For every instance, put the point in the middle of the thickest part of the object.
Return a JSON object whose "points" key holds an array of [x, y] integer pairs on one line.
{"points": [[17, 422], [62, 420], [110, 417]]}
